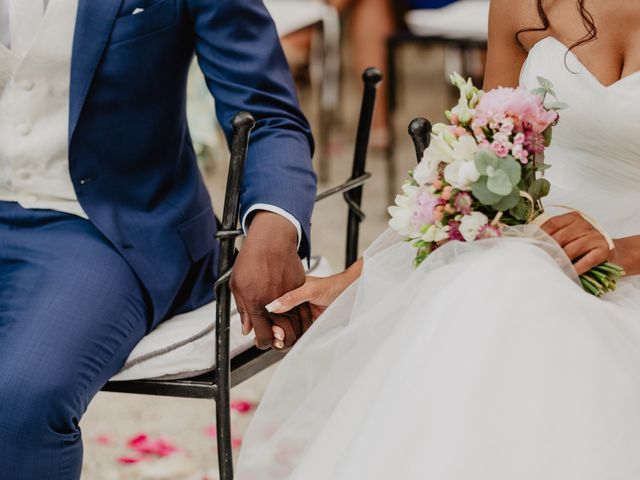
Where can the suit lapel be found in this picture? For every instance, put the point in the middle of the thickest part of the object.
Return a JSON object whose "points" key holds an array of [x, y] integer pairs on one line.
{"points": [[94, 23]]}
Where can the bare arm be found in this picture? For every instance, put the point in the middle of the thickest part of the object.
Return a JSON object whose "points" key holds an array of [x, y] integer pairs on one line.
{"points": [[505, 55]]}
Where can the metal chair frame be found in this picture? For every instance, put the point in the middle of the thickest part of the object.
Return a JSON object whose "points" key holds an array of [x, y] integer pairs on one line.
{"points": [[229, 372]]}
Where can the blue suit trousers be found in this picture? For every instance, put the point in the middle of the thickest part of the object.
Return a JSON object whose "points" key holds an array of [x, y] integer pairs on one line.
{"points": [[71, 310]]}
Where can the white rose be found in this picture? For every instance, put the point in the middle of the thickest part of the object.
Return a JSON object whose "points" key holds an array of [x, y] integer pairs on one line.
{"points": [[426, 172], [465, 148], [436, 233], [400, 220], [402, 211], [471, 225], [463, 111], [438, 151], [461, 174]]}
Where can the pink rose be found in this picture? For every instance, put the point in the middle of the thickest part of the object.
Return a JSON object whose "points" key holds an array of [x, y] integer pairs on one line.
{"points": [[518, 104]]}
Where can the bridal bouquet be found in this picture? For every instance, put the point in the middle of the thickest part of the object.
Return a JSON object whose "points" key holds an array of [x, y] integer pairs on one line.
{"points": [[484, 171]]}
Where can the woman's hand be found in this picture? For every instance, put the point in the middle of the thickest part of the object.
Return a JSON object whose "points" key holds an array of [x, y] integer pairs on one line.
{"points": [[585, 246], [318, 292]]}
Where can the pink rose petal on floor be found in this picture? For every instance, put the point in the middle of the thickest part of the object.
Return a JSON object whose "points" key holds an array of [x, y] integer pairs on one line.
{"points": [[143, 444], [138, 440], [241, 406], [236, 442], [130, 460], [104, 439], [211, 431]]}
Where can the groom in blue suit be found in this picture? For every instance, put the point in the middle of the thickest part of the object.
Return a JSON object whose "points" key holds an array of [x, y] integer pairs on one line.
{"points": [[106, 227]]}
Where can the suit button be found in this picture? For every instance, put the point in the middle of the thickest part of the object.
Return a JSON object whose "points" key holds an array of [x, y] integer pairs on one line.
{"points": [[24, 129]]}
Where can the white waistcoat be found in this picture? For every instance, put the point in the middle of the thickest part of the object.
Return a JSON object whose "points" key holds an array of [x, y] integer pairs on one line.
{"points": [[34, 116]]}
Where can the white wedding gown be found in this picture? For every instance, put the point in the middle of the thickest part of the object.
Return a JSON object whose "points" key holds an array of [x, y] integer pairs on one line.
{"points": [[488, 362]]}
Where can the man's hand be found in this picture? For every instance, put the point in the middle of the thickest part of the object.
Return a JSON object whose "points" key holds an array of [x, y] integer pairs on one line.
{"points": [[267, 267]]}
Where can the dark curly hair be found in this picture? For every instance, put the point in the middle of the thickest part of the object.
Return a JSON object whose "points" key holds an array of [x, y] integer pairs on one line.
{"points": [[587, 21]]}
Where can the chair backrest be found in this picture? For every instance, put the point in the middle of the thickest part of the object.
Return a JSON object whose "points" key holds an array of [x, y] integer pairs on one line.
{"points": [[420, 132]]}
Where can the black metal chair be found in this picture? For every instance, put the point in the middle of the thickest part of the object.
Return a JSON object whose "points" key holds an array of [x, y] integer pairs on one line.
{"points": [[229, 372]]}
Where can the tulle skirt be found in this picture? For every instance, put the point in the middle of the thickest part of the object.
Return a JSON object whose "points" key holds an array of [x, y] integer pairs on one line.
{"points": [[487, 362]]}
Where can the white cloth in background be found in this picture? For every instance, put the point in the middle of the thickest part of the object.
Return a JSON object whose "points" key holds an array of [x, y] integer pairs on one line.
{"points": [[488, 362], [35, 67]]}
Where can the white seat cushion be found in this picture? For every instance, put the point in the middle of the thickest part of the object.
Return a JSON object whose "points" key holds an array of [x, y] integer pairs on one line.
{"points": [[184, 345], [465, 20], [293, 15]]}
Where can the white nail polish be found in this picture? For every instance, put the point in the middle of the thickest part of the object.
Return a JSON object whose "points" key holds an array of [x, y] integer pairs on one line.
{"points": [[279, 335], [275, 305]]}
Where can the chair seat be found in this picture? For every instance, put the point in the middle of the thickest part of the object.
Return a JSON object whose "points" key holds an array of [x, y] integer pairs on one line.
{"points": [[184, 346], [462, 20], [293, 15]]}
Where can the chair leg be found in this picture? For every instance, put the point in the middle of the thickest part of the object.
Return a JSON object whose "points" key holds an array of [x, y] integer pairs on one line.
{"points": [[243, 123], [225, 448], [372, 78]]}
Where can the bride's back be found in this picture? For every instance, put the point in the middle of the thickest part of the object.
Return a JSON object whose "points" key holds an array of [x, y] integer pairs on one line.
{"points": [[603, 34]]}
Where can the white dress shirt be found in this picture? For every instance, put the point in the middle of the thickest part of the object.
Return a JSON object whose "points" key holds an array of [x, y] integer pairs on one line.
{"points": [[33, 178]]}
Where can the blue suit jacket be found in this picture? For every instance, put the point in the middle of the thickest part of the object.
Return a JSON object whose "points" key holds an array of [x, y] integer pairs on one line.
{"points": [[131, 159]]}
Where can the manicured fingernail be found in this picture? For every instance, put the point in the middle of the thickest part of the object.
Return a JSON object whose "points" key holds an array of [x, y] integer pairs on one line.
{"points": [[279, 335], [278, 344], [245, 329], [275, 305]]}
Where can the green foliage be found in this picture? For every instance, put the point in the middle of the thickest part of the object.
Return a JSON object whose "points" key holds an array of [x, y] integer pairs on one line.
{"points": [[508, 202], [498, 185], [522, 210], [548, 136], [481, 191], [539, 188], [601, 279]]}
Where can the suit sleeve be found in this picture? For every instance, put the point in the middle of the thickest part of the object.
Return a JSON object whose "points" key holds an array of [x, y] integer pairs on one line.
{"points": [[245, 68]]}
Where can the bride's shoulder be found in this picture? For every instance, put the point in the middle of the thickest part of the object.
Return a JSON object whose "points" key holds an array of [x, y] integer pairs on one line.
{"points": [[508, 20], [521, 21]]}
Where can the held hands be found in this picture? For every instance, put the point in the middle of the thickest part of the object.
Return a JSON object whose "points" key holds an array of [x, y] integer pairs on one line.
{"points": [[319, 293], [267, 267]]}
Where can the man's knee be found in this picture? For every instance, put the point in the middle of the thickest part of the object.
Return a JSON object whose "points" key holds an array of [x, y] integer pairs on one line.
{"points": [[35, 405]]}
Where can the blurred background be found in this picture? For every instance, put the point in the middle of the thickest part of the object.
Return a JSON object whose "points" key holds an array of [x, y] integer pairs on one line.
{"points": [[416, 43]]}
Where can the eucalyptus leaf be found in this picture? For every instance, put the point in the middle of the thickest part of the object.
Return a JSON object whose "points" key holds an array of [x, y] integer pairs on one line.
{"points": [[484, 159], [541, 92], [548, 135], [482, 192], [544, 83], [512, 168], [522, 210], [556, 106], [547, 86], [540, 188], [500, 183], [508, 202]]}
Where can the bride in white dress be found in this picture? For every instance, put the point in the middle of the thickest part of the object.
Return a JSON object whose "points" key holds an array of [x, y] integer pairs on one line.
{"points": [[488, 362]]}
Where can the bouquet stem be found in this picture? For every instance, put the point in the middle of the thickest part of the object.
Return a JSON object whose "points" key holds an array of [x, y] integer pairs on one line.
{"points": [[601, 279]]}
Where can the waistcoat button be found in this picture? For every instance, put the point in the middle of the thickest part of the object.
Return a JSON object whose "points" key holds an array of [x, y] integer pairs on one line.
{"points": [[24, 129]]}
